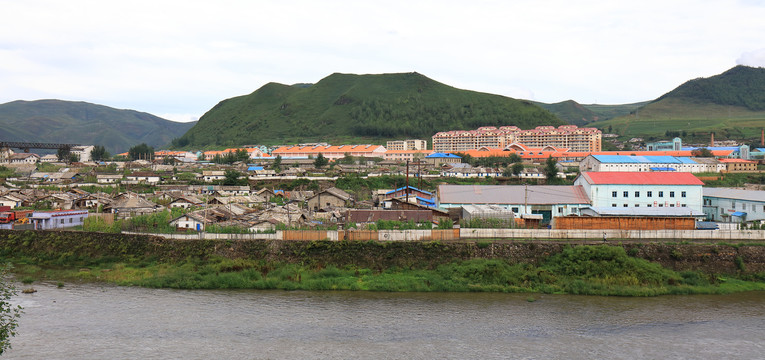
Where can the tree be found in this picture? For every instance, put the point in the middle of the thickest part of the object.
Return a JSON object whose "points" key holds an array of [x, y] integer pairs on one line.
{"points": [[72, 158], [551, 170], [702, 152], [348, 159], [63, 153], [99, 153], [9, 314], [232, 177], [320, 161], [516, 169], [141, 151], [277, 165], [514, 158]]}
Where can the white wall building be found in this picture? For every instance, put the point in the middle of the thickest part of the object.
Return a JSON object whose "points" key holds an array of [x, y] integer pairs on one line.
{"points": [[642, 189]]}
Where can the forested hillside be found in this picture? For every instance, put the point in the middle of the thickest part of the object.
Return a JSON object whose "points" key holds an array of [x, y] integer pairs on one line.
{"points": [[345, 108]]}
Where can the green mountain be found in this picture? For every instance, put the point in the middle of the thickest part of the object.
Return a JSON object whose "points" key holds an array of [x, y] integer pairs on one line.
{"points": [[578, 114], [732, 105], [343, 108], [57, 121]]}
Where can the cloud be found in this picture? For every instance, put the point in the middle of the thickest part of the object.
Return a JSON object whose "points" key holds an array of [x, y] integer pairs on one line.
{"points": [[754, 58]]}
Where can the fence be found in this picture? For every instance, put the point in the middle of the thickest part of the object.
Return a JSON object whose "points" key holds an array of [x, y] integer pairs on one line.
{"points": [[472, 234]]}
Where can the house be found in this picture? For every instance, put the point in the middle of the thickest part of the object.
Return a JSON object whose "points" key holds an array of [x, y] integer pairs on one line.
{"points": [[92, 201], [330, 197], [213, 175], [46, 220], [263, 225], [401, 204], [185, 202], [130, 204], [734, 205], [82, 152], [524, 201], [108, 179], [642, 189], [408, 190], [191, 221], [440, 158], [733, 165], [24, 158], [143, 177]]}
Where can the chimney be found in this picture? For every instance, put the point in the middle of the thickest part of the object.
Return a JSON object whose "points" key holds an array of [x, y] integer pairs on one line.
{"points": [[712, 143]]}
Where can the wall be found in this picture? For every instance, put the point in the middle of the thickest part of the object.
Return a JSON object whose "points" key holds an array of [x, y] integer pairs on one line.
{"points": [[624, 223]]}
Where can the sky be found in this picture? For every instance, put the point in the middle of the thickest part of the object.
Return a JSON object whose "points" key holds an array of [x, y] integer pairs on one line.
{"points": [[177, 59]]}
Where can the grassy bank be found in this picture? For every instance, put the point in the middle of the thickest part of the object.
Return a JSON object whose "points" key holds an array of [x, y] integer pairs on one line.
{"points": [[592, 270]]}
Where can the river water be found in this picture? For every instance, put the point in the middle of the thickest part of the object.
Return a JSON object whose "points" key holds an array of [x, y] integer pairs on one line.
{"points": [[93, 321]]}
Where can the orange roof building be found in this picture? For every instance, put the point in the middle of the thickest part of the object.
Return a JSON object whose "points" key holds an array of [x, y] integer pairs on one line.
{"points": [[331, 152]]}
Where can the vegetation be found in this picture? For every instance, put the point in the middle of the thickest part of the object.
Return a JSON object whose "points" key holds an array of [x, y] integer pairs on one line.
{"points": [[99, 153], [356, 108], [56, 121], [732, 105], [142, 151], [9, 314], [320, 161], [321, 265]]}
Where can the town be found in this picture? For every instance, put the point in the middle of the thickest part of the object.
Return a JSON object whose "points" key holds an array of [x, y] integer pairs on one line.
{"points": [[489, 178]]}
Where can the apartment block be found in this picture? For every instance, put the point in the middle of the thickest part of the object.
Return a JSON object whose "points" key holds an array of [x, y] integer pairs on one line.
{"points": [[565, 136]]}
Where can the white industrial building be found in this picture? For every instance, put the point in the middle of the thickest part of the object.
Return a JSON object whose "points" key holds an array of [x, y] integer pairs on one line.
{"points": [[642, 189], [734, 205]]}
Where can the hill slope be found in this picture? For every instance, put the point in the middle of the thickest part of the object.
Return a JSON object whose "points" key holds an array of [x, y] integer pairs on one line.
{"points": [[345, 107], [731, 104], [58, 121]]}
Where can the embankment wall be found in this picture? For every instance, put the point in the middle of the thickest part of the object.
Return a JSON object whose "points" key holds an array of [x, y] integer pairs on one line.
{"points": [[66, 248]]}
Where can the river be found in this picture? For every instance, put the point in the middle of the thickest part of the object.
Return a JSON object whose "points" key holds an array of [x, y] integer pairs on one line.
{"points": [[94, 321]]}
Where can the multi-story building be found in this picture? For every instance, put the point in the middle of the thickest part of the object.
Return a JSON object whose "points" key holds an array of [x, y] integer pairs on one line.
{"points": [[649, 163], [409, 144], [642, 189], [565, 136], [330, 152]]}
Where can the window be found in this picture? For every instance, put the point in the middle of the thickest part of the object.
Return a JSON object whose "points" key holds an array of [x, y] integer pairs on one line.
{"points": [[624, 205], [671, 194], [661, 205], [613, 194], [733, 205], [613, 205], [684, 205], [682, 194], [637, 194], [661, 194], [671, 205], [560, 210], [626, 194], [743, 206], [650, 205], [62, 221], [515, 210], [70, 220], [650, 194], [637, 205]]}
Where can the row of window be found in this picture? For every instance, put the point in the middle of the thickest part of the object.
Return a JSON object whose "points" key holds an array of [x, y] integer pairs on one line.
{"points": [[651, 205], [648, 194]]}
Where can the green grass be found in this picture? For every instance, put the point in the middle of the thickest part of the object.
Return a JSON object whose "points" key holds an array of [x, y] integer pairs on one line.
{"points": [[590, 270]]}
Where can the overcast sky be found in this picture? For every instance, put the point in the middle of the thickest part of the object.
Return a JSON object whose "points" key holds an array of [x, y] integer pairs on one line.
{"points": [[177, 59]]}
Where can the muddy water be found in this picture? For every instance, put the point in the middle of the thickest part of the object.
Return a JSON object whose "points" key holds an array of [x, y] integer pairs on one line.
{"points": [[108, 322]]}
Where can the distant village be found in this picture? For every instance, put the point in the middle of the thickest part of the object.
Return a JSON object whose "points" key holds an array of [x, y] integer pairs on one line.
{"points": [[658, 187]]}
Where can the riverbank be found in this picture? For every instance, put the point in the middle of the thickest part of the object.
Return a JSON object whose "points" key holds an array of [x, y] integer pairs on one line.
{"points": [[640, 269]]}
